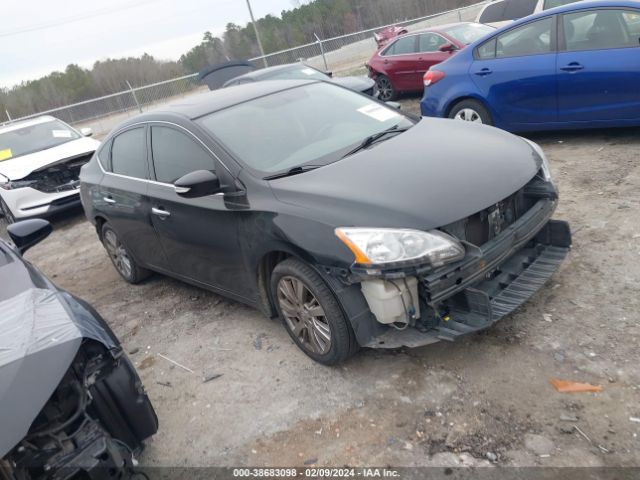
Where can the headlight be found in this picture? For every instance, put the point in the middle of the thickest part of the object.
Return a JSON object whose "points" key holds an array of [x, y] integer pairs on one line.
{"points": [[379, 246], [546, 171]]}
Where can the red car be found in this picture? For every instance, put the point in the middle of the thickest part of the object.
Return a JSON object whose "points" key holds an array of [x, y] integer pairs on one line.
{"points": [[399, 66]]}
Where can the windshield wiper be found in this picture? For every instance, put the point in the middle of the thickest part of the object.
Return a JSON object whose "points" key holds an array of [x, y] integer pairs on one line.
{"points": [[370, 140], [293, 171]]}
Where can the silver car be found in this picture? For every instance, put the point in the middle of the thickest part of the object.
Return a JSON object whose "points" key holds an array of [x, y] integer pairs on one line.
{"points": [[40, 160]]}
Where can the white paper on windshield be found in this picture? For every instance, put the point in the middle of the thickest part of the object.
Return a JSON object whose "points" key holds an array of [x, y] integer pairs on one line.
{"points": [[61, 133], [308, 71], [380, 113]]}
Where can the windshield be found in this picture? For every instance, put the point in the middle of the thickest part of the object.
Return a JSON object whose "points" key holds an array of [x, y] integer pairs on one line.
{"points": [[297, 72], [468, 33], [313, 124], [19, 141], [557, 3]]}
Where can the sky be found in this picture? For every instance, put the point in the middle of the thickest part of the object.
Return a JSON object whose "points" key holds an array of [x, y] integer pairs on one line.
{"points": [[40, 36]]}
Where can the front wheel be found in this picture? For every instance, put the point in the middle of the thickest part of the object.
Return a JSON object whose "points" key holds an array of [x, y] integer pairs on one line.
{"points": [[311, 313], [120, 257], [471, 111]]}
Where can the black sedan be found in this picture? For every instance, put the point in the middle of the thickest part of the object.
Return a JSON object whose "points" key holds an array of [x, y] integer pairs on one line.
{"points": [[71, 402], [356, 224]]}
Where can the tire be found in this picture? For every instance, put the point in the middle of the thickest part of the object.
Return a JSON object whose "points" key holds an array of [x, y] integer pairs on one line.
{"points": [[471, 111], [123, 262], [7, 215], [311, 314], [385, 89]]}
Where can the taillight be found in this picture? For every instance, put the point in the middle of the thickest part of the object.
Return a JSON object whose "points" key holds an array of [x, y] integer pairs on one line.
{"points": [[432, 77]]}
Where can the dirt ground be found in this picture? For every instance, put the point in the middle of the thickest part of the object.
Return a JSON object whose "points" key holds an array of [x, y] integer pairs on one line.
{"points": [[483, 400]]}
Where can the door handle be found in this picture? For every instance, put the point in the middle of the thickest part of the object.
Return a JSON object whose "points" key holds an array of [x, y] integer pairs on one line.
{"points": [[572, 67], [109, 200], [160, 212], [484, 72]]}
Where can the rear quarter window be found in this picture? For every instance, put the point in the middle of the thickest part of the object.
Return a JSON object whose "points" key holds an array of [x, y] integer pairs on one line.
{"points": [[103, 155]]}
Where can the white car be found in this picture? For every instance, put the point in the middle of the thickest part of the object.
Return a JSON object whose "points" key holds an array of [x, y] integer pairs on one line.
{"points": [[502, 12], [40, 160]]}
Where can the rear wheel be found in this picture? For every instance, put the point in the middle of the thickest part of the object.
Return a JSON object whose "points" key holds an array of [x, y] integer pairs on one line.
{"points": [[385, 89], [120, 257], [471, 111], [311, 313]]}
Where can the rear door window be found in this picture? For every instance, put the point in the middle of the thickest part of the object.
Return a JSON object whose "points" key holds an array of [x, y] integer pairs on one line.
{"points": [[129, 154], [175, 154], [530, 39], [402, 46], [601, 30]]}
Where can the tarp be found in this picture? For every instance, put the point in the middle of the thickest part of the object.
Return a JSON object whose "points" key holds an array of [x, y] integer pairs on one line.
{"points": [[40, 333]]}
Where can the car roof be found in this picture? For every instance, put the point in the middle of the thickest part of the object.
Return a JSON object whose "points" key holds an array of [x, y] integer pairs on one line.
{"points": [[580, 5], [8, 127], [440, 28], [277, 68], [197, 105]]}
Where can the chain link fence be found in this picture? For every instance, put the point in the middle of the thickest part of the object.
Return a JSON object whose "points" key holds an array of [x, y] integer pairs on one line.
{"points": [[346, 54]]}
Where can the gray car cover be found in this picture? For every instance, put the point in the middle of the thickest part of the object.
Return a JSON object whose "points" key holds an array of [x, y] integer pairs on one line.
{"points": [[40, 334]]}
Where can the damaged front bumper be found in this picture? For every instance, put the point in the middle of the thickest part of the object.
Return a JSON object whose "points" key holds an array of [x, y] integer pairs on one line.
{"points": [[471, 295]]}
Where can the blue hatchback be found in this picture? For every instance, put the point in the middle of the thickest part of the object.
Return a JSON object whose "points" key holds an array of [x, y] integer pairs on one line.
{"points": [[576, 66]]}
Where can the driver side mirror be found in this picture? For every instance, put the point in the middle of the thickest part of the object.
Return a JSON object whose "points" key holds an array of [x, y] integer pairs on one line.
{"points": [[198, 184], [395, 105], [448, 47], [27, 233], [329, 74], [86, 132]]}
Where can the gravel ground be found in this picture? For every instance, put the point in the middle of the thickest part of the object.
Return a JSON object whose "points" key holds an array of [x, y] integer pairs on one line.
{"points": [[484, 399]]}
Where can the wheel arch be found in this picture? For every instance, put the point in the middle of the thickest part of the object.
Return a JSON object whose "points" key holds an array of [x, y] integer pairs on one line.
{"points": [[452, 104], [99, 220]]}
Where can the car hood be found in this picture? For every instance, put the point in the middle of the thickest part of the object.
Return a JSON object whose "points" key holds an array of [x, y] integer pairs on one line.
{"points": [[20, 167], [438, 172], [359, 84]]}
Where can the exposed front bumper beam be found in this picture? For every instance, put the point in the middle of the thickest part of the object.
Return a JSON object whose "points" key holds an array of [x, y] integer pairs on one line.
{"points": [[490, 283], [500, 289]]}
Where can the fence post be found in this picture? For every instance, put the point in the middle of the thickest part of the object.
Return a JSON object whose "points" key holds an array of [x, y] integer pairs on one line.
{"points": [[133, 94], [8, 116], [324, 59], [459, 15]]}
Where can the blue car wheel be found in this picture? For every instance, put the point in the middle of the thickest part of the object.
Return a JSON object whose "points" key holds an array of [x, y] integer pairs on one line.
{"points": [[471, 111]]}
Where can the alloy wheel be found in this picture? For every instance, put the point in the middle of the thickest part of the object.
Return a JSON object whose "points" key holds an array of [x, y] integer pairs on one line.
{"points": [[304, 315], [385, 89], [468, 115], [118, 254]]}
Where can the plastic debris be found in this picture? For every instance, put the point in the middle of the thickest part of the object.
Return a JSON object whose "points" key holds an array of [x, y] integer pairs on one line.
{"points": [[634, 419], [568, 386], [211, 377], [176, 363]]}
